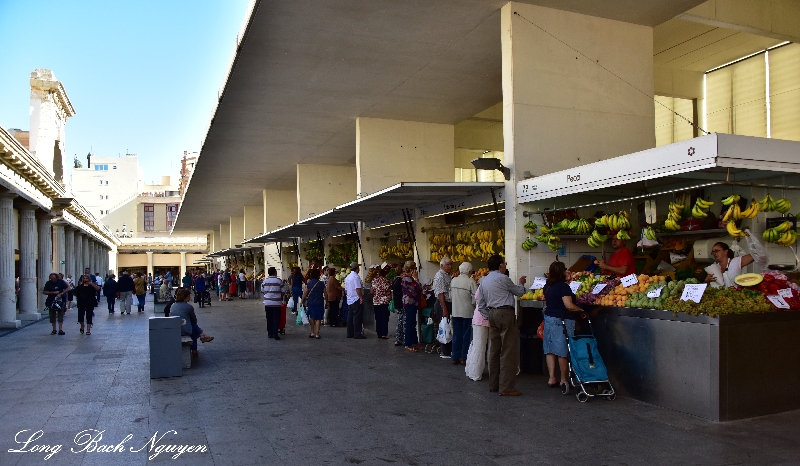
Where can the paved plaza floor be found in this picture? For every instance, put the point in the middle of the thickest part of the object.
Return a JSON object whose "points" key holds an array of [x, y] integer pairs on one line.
{"points": [[250, 400]]}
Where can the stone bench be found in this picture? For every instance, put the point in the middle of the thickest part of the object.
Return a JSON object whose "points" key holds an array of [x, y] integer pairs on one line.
{"points": [[186, 352]]}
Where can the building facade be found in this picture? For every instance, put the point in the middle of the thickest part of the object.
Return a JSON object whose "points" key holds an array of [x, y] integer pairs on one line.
{"points": [[107, 183]]}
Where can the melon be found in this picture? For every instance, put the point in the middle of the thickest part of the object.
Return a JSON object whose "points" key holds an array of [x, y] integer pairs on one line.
{"points": [[748, 279]]}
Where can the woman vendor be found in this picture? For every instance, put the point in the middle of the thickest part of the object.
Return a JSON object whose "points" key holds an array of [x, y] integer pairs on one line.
{"points": [[621, 262], [726, 267]]}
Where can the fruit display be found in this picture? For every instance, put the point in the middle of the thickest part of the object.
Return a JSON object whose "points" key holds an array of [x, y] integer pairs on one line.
{"points": [[700, 207], [589, 298], [480, 273], [783, 234], [550, 239], [531, 227], [528, 244], [768, 204], [467, 246], [773, 282], [719, 301], [673, 221], [596, 239], [748, 279], [536, 295], [620, 221], [734, 231], [343, 254], [314, 251]]}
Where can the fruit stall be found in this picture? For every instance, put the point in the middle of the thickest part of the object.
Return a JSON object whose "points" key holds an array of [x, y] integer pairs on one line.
{"points": [[721, 350]]}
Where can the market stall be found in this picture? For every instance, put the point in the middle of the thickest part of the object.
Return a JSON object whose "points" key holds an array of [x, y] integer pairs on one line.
{"points": [[668, 337]]}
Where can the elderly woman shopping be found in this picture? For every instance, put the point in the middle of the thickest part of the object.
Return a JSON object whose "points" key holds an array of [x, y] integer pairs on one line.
{"points": [[462, 293], [185, 311]]}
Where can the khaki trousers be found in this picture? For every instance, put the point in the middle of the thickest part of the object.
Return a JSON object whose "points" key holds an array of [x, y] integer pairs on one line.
{"points": [[503, 349]]}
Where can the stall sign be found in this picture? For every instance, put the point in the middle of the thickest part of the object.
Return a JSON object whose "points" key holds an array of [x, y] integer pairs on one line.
{"points": [[538, 283], [629, 280], [598, 288], [785, 293], [779, 302], [693, 292], [655, 293], [574, 286]]}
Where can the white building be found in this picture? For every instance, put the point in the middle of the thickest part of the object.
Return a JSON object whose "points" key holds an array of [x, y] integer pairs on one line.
{"points": [[107, 183]]}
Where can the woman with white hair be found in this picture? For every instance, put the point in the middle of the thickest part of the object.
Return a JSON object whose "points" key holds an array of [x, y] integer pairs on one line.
{"points": [[462, 294]]}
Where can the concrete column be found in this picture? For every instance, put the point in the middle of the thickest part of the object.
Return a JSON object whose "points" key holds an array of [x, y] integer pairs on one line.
{"points": [[59, 247], [224, 235], [183, 266], [150, 262], [562, 109], [85, 258], [253, 221], [28, 294], [322, 187], [90, 256], [78, 254], [69, 248], [237, 230], [381, 143], [280, 208], [8, 299], [45, 263]]}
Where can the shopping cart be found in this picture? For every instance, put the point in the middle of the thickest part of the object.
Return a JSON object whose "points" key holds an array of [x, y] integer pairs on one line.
{"points": [[586, 368]]}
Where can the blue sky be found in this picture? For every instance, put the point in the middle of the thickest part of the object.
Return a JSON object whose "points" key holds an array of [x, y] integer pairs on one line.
{"points": [[143, 75]]}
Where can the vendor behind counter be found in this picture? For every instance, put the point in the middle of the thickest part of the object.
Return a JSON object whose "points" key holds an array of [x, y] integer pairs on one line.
{"points": [[621, 261]]}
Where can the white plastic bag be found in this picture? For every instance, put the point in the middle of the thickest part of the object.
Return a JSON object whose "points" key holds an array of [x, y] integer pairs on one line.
{"points": [[290, 304], [305, 316], [445, 334], [757, 251]]}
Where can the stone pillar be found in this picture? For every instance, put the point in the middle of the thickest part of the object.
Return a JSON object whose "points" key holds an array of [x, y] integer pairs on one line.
{"points": [[69, 248], [253, 221], [150, 263], [8, 301], [85, 258], [28, 294], [78, 255], [183, 266], [225, 235], [45, 263], [280, 208], [93, 256]]}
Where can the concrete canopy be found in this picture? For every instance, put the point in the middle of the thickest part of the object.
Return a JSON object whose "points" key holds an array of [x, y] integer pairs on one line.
{"points": [[305, 70]]}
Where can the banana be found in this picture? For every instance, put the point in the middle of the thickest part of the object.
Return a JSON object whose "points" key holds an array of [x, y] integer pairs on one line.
{"points": [[732, 199], [649, 234], [623, 235], [601, 222], [737, 213], [733, 231], [703, 204], [783, 227], [787, 239], [783, 205], [672, 225], [697, 212], [728, 215]]}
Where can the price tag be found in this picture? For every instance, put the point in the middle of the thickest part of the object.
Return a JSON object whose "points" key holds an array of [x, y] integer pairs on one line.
{"points": [[538, 283], [692, 292], [778, 302], [598, 288], [629, 280], [655, 293], [785, 293], [574, 286]]}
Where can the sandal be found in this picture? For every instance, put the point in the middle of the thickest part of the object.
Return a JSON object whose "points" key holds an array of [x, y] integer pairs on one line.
{"points": [[411, 350], [53, 332], [317, 337], [61, 332], [311, 336], [88, 332], [397, 344]]}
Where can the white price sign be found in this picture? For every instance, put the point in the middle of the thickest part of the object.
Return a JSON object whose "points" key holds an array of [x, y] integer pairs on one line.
{"points": [[778, 302], [692, 292], [629, 280], [598, 288], [785, 293], [655, 293], [538, 283], [574, 286]]}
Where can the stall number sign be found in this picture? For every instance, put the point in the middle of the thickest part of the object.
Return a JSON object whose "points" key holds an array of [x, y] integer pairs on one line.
{"points": [[629, 280], [598, 288], [538, 283], [693, 292], [655, 293], [785, 293], [574, 286], [779, 302]]}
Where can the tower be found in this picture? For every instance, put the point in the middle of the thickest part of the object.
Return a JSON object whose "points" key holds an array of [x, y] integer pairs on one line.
{"points": [[50, 108]]}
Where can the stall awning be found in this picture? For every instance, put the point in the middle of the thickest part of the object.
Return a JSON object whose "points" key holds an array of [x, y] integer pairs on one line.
{"points": [[715, 158], [230, 251], [385, 206]]}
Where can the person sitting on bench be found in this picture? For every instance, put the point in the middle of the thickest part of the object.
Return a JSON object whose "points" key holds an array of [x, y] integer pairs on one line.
{"points": [[185, 311]]}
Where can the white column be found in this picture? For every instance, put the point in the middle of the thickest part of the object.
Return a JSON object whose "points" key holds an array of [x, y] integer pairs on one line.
{"points": [[45, 263], [183, 266], [8, 304], [27, 264], [150, 262], [85, 257], [78, 254], [69, 255], [59, 247], [93, 256]]}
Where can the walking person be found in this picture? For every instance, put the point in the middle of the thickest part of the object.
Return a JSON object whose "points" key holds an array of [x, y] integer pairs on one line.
{"points": [[86, 293], [315, 299], [126, 287], [397, 297], [274, 291], [381, 296], [412, 295], [110, 292], [71, 284], [334, 292], [496, 304], [296, 283], [355, 302], [98, 280], [222, 287], [200, 289], [56, 291], [443, 305], [462, 292], [140, 288]]}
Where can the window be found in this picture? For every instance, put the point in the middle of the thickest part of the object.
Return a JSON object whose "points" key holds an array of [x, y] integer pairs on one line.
{"points": [[149, 217], [101, 182], [115, 167], [101, 167], [101, 197], [669, 126], [172, 214]]}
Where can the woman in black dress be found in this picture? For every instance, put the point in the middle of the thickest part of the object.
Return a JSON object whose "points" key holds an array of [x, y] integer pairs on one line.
{"points": [[85, 293]]}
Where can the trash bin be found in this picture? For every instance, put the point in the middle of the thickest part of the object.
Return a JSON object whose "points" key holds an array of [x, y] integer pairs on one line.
{"points": [[165, 347]]}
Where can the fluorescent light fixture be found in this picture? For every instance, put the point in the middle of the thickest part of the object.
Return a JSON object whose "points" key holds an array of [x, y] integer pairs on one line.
{"points": [[462, 210], [387, 225]]}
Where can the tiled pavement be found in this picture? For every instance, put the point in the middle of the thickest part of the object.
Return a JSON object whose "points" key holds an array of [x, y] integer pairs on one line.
{"points": [[302, 401]]}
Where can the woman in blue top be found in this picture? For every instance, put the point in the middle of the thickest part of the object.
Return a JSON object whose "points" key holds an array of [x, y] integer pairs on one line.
{"points": [[560, 304], [296, 282], [314, 300]]}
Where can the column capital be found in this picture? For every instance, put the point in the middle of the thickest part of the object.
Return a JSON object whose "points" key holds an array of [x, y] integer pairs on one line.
{"points": [[8, 195]]}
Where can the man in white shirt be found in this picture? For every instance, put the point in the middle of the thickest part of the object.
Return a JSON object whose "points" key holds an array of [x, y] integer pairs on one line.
{"points": [[355, 302], [274, 291]]}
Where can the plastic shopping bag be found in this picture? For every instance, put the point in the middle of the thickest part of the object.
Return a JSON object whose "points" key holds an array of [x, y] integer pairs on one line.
{"points": [[290, 304], [757, 250], [301, 317], [305, 316], [445, 334]]}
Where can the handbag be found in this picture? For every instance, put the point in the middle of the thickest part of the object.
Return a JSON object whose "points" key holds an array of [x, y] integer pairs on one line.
{"points": [[422, 301], [428, 332]]}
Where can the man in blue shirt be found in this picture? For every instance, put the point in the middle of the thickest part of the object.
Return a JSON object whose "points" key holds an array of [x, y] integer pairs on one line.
{"points": [[200, 289]]}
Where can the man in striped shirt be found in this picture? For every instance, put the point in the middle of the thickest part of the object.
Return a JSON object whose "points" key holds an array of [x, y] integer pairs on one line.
{"points": [[274, 291]]}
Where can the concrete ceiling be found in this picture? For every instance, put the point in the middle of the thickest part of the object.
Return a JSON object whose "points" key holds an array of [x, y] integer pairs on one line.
{"points": [[307, 69]]}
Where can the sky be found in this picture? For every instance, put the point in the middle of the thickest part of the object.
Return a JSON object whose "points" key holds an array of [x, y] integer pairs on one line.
{"points": [[143, 75]]}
